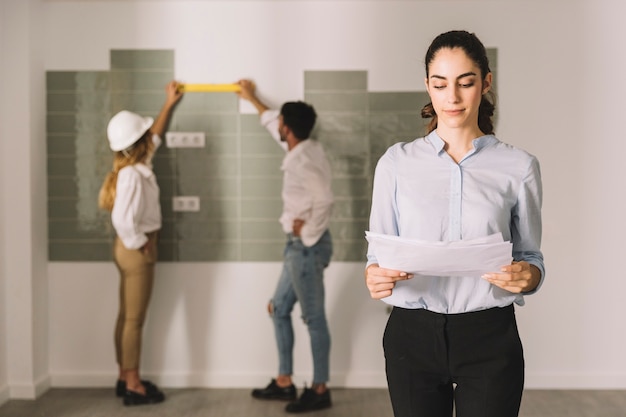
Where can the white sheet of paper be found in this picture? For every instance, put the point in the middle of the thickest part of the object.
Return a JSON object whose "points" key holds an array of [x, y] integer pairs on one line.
{"points": [[468, 258]]}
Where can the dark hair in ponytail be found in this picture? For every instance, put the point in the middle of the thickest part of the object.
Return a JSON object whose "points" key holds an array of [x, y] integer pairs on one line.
{"points": [[475, 50]]}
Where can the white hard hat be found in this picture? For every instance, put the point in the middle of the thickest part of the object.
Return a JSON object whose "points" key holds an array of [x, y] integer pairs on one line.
{"points": [[126, 128]]}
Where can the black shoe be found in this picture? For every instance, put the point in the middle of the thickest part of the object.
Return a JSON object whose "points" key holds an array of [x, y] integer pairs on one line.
{"points": [[274, 392], [120, 387], [152, 396], [310, 401]]}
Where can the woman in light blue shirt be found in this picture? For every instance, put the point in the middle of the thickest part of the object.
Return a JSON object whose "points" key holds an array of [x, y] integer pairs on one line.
{"points": [[453, 341]]}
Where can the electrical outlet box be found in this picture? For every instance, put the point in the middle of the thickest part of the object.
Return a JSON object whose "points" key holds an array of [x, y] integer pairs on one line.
{"points": [[185, 139], [186, 203]]}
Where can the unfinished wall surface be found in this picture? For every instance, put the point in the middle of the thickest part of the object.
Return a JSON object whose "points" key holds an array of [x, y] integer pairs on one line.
{"points": [[236, 174]]}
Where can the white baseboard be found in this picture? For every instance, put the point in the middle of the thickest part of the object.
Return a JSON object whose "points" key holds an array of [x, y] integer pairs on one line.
{"points": [[340, 380], [562, 381], [212, 380], [4, 394], [30, 391], [42, 385], [83, 380]]}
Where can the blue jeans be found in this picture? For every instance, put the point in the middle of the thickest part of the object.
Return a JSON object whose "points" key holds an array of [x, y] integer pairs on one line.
{"points": [[302, 279]]}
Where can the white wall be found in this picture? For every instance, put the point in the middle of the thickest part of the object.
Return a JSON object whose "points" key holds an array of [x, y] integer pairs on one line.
{"points": [[24, 247], [207, 326], [4, 388], [559, 69]]}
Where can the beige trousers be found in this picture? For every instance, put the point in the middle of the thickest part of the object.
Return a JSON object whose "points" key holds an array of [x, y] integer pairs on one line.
{"points": [[136, 278]]}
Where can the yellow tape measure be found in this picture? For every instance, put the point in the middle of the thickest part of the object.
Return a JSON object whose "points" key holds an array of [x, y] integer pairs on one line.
{"points": [[209, 88]]}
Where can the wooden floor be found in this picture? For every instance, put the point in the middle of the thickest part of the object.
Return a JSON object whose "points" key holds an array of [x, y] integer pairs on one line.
{"points": [[238, 403]]}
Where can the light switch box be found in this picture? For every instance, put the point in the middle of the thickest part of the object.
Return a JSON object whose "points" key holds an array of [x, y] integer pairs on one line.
{"points": [[186, 203], [185, 139]]}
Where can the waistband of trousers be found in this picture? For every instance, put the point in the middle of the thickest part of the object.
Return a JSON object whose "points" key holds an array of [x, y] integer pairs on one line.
{"points": [[481, 316], [292, 238]]}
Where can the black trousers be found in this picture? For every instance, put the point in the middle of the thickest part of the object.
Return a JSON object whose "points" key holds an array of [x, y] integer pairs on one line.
{"points": [[472, 361]]}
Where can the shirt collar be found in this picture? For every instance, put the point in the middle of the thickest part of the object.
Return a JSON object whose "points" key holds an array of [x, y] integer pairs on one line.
{"points": [[478, 143], [294, 152], [144, 170]]}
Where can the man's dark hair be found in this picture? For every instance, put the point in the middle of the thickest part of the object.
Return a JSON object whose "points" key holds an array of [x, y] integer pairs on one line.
{"points": [[299, 117]]}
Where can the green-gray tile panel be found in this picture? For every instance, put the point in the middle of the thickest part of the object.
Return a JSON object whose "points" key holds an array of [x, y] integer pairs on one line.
{"points": [[221, 209], [338, 102], [261, 187], [336, 143], [261, 209], [167, 213], [61, 166], [76, 208], [398, 101], [164, 151], [78, 229], [91, 81], [349, 251], [72, 187], [208, 251], [351, 208], [335, 80], [167, 231], [164, 164], [265, 166], [167, 251], [211, 124], [210, 209], [78, 144], [379, 143], [146, 103], [262, 251], [140, 80], [221, 144], [167, 185], [250, 124], [162, 59], [80, 250], [89, 123], [342, 123], [236, 175], [393, 124], [492, 55], [213, 188], [199, 229], [215, 144], [79, 102], [261, 229], [354, 187], [260, 144], [63, 208], [348, 229], [89, 165], [349, 165], [82, 166], [192, 164]]}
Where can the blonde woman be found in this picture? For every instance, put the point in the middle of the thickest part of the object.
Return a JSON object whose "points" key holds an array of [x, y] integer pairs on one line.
{"points": [[131, 193]]}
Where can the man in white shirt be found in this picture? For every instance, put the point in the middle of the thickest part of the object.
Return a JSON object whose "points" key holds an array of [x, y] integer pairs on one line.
{"points": [[307, 205]]}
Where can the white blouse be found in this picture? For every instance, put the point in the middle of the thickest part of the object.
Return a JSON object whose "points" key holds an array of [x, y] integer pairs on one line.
{"points": [[420, 192], [137, 210], [307, 184]]}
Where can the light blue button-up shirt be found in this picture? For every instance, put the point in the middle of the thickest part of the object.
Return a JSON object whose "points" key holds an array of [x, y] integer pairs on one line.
{"points": [[420, 192]]}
